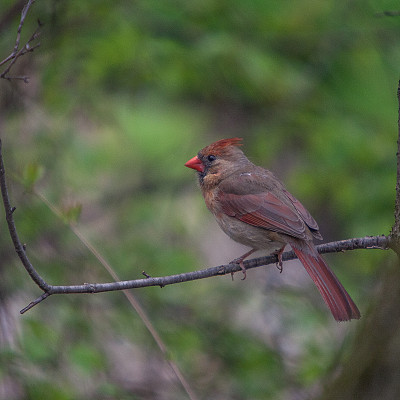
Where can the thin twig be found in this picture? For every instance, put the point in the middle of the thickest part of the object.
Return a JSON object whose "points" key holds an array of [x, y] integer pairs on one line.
{"points": [[18, 52], [19, 247], [34, 302]]}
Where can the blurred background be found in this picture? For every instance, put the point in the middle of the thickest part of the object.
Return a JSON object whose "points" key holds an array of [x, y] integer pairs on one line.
{"points": [[120, 96]]}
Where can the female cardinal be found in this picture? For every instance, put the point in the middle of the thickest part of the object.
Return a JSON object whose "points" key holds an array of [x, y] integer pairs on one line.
{"points": [[253, 207]]}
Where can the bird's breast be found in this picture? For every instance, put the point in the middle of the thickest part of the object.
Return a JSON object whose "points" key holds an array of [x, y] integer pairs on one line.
{"points": [[210, 198], [252, 236]]}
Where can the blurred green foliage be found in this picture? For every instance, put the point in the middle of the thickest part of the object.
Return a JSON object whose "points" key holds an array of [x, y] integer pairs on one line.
{"points": [[120, 96]]}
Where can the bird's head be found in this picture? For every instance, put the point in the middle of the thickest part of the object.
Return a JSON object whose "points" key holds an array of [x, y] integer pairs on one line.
{"points": [[218, 160]]}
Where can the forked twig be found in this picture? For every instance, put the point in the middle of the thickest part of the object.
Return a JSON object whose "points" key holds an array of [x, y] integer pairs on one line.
{"points": [[19, 52]]}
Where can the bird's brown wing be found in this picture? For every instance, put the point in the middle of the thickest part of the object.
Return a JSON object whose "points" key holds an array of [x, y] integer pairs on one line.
{"points": [[307, 218], [265, 210]]}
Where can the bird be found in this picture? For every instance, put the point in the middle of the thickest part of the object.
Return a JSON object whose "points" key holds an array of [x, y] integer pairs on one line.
{"points": [[254, 208]]}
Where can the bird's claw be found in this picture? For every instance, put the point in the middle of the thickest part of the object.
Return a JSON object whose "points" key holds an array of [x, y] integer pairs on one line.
{"points": [[240, 262], [241, 265], [280, 267], [279, 263]]}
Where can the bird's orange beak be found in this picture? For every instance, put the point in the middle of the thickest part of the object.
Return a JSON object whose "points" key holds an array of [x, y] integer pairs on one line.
{"points": [[195, 163]]}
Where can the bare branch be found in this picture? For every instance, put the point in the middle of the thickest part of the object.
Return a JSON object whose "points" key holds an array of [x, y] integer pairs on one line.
{"points": [[369, 242], [19, 247], [19, 52]]}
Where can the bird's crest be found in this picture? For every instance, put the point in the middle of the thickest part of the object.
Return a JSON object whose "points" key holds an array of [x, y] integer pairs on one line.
{"points": [[219, 146]]}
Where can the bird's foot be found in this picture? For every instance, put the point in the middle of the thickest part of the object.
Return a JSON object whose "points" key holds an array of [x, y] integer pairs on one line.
{"points": [[241, 265], [239, 261], [279, 253]]}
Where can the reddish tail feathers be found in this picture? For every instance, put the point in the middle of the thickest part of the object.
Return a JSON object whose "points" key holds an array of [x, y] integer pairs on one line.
{"points": [[334, 294]]}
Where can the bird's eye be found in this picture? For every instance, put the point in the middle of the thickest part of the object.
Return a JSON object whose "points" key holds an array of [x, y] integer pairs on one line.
{"points": [[211, 158]]}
